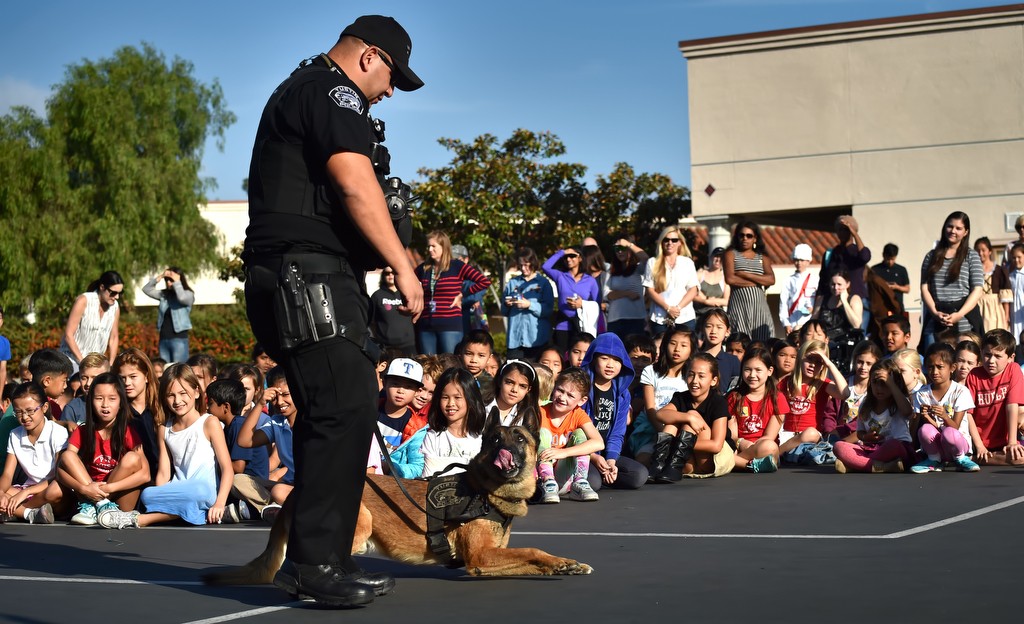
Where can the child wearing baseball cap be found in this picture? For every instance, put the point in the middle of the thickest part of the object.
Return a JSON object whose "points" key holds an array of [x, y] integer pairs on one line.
{"points": [[797, 300], [395, 419]]}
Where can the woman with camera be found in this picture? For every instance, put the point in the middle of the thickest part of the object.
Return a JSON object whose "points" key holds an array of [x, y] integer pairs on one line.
{"points": [[174, 313]]}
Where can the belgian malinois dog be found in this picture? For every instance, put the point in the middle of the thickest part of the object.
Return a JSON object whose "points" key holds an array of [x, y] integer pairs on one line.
{"points": [[390, 524]]}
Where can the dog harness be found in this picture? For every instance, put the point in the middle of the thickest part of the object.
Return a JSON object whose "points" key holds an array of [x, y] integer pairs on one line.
{"points": [[450, 500]]}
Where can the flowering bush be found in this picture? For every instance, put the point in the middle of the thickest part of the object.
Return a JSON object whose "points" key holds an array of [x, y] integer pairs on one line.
{"points": [[222, 331]]}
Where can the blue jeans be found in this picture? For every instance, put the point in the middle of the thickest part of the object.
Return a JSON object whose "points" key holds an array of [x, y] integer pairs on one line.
{"points": [[627, 327], [174, 349], [432, 343]]}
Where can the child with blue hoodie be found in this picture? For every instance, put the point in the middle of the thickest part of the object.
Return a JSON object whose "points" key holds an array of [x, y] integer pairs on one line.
{"points": [[611, 373]]}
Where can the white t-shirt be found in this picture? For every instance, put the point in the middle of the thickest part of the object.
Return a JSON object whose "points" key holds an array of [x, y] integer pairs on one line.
{"points": [[38, 461], [681, 278], [506, 419], [889, 424], [664, 387], [441, 448], [957, 399]]}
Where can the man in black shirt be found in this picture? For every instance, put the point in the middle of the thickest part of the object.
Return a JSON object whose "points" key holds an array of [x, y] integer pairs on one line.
{"points": [[894, 274], [317, 220]]}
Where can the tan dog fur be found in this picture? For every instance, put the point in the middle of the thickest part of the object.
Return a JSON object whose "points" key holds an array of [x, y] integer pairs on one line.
{"points": [[391, 525]]}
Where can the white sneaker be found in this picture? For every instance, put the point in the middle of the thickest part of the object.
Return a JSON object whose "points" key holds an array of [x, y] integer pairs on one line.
{"points": [[117, 519], [86, 515], [549, 489], [581, 491]]}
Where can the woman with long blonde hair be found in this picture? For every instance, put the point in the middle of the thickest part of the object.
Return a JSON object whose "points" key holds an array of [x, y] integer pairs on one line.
{"points": [[439, 328], [670, 281]]}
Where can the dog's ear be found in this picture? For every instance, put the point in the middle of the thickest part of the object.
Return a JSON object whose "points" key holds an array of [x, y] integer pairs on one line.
{"points": [[493, 421]]}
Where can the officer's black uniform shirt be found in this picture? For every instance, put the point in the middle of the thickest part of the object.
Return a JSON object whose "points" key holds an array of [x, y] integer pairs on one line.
{"points": [[316, 113]]}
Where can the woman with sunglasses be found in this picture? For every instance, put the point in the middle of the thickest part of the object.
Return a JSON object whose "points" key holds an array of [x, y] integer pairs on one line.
{"points": [[573, 286], [389, 326], [670, 280], [92, 324], [749, 273]]}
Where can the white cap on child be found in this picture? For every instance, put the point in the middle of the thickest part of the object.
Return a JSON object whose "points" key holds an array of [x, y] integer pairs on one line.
{"points": [[405, 368]]}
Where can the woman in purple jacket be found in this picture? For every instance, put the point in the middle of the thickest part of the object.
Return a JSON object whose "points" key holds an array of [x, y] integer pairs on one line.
{"points": [[573, 286]]}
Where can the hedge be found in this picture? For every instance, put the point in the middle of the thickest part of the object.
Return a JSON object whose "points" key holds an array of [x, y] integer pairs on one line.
{"points": [[220, 330]]}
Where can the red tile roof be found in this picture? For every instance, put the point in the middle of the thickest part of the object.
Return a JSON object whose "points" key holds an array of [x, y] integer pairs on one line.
{"points": [[779, 241]]}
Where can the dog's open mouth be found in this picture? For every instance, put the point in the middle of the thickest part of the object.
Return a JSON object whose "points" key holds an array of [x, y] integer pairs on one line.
{"points": [[505, 462]]}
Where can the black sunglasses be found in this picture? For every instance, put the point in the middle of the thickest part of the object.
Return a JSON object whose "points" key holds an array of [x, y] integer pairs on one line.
{"points": [[670, 239], [388, 63], [572, 255]]}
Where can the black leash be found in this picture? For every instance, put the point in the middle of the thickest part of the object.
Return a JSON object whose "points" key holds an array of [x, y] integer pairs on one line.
{"points": [[394, 475]]}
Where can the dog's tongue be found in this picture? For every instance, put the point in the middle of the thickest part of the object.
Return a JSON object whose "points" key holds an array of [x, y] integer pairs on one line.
{"points": [[504, 460]]}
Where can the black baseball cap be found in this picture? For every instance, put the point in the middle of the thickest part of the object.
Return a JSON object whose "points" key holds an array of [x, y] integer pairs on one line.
{"points": [[388, 35]]}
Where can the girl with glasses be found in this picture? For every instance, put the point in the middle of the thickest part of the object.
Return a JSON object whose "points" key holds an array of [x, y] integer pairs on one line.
{"points": [[749, 273], [92, 324]]}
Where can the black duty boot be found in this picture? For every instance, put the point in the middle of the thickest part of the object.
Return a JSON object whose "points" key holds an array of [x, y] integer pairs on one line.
{"points": [[659, 459], [325, 584], [682, 448]]}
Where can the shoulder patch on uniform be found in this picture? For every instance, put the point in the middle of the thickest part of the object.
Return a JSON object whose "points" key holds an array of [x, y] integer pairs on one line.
{"points": [[346, 97]]}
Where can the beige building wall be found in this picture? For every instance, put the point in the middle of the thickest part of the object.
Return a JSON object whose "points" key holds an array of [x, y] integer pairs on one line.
{"points": [[898, 122]]}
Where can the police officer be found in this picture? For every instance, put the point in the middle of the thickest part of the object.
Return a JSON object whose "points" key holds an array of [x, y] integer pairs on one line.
{"points": [[318, 219]]}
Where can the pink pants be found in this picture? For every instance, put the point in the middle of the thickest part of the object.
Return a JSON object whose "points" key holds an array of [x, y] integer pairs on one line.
{"points": [[858, 458], [944, 444]]}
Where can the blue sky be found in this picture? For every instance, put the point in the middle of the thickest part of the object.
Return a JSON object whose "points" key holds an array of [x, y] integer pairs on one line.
{"points": [[607, 77]]}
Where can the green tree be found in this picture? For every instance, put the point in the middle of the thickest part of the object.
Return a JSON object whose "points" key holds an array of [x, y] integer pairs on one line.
{"points": [[109, 180], [494, 197], [636, 204]]}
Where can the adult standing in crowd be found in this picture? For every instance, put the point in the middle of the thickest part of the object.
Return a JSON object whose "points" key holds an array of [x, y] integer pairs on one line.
{"points": [[173, 314], [670, 280], [624, 289], [951, 282], [895, 275], [92, 323], [749, 273], [317, 210], [996, 292], [712, 291], [1018, 227], [473, 314], [592, 261], [441, 276], [850, 255], [573, 286], [390, 325], [528, 303]]}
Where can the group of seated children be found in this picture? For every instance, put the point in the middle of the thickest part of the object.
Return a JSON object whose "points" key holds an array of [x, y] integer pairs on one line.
{"points": [[209, 446], [129, 453]]}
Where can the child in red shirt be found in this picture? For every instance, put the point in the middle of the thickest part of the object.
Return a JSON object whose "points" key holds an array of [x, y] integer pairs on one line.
{"points": [[756, 412], [997, 386], [104, 463]]}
